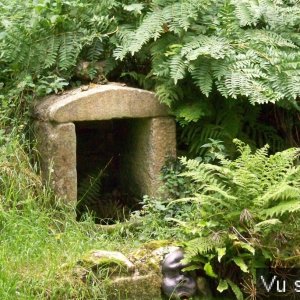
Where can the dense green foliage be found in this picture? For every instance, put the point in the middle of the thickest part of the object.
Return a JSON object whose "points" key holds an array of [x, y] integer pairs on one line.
{"points": [[41, 43], [241, 215], [211, 61], [245, 48], [194, 54]]}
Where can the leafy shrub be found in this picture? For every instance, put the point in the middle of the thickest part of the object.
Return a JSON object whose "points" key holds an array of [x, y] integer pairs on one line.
{"points": [[225, 120], [174, 185], [193, 54], [241, 48], [242, 214]]}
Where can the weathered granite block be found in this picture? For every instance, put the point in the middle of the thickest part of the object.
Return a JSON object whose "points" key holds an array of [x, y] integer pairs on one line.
{"points": [[152, 140], [57, 148], [146, 287]]}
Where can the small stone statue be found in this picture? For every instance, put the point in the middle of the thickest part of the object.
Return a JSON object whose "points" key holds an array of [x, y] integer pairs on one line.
{"points": [[176, 283]]}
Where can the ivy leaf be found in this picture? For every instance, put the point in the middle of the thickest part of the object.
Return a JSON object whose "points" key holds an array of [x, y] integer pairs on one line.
{"points": [[222, 286], [240, 262]]}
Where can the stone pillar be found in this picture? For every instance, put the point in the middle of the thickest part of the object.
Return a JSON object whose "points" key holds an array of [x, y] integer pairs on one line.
{"points": [[57, 146], [162, 142], [151, 142]]}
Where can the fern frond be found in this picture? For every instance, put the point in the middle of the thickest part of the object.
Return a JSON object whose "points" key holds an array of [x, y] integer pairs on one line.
{"points": [[95, 50], [284, 192], [189, 113], [282, 208], [197, 136], [69, 50], [151, 28], [270, 38], [202, 76], [89, 189], [177, 68], [212, 46], [198, 246], [180, 15], [53, 44], [166, 93], [244, 13]]}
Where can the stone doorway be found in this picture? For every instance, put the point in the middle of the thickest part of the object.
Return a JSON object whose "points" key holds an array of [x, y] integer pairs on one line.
{"points": [[124, 127], [102, 148]]}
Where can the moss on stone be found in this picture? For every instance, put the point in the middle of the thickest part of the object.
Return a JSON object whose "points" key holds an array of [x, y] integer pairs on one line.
{"points": [[113, 262], [149, 256], [136, 277], [153, 245]]}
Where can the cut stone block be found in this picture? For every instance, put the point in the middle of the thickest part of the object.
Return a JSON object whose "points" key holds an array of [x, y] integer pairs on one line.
{"points": [[147, 287], [142, 278], [57, 148], [138, 126], [103, 102]]}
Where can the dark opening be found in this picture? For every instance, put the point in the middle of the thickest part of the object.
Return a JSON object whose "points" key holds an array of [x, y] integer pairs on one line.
{"points": [[101, 148]]}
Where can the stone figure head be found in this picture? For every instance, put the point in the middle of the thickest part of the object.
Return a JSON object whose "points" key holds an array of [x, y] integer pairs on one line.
{"points": [[176, 283]]}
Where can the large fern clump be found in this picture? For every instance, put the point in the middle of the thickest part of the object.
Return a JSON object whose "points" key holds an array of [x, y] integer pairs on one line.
{"points": [[243, 214], [243, 48], [47, 38], [43, 42], [267, 186], [247, 215]]}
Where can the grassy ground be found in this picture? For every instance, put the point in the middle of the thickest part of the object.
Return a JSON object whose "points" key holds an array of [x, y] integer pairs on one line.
{"points": [[41, 242], [39, 252]]}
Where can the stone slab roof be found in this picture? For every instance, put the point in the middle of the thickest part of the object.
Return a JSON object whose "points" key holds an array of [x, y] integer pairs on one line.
{"points": [[100, 102]]}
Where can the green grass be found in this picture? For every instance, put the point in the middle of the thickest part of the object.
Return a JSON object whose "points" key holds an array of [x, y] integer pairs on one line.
{"points": [[41, 242], [39, 253]]}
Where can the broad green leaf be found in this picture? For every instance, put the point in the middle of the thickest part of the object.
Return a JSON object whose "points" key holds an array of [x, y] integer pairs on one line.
{"points": [[209, 270], [191, 268], [238, 293], [246, 246], [222, 286], [266, 254], [221, 252], [266, 223], [240, 262]]}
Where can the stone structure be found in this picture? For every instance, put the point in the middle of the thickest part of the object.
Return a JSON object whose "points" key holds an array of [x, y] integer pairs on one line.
{"points": [[152, 272], [147, 139], [135, 277]]}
